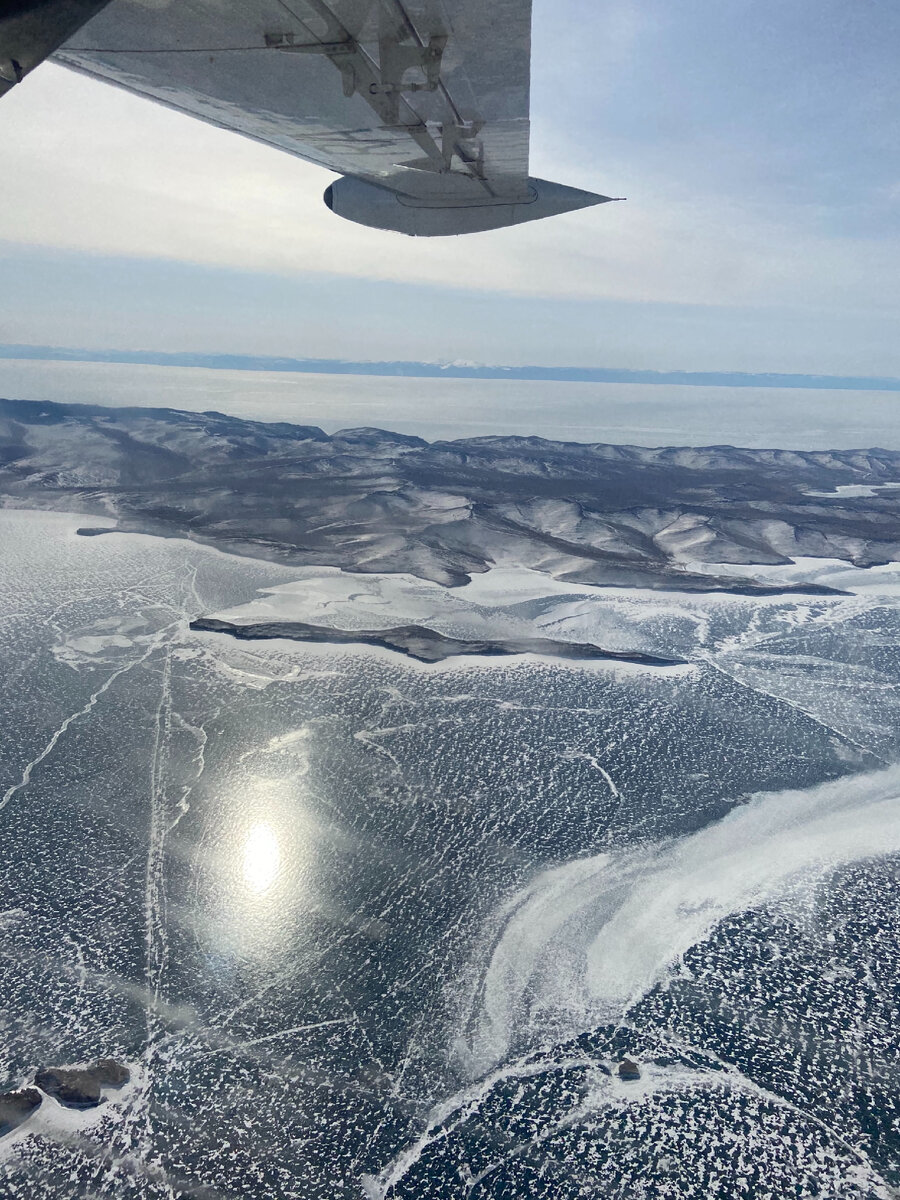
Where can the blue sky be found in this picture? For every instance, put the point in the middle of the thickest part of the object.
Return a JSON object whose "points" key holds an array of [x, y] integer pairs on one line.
{"points": [[759, 146]]}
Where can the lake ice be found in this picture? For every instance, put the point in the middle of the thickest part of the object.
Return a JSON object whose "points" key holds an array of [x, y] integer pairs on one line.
{"points": [[365, 927]]}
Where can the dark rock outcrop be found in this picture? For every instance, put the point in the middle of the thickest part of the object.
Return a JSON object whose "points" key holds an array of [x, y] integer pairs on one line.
{"points": [[81, 1087], [629, 1070], [73, 1086], [16, 1107], [110, 1073]]}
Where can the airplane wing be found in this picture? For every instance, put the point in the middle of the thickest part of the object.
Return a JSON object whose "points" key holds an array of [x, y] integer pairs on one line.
{"points": [[421, 105], [32, 29]]}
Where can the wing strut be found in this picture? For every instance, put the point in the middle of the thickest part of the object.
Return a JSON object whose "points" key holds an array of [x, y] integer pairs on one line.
{"points": [[383, 85]]}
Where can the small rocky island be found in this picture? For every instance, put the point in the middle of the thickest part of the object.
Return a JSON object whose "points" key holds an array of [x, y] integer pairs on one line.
{"points": [[82, 1087], [629, 1070], [426, 645], [73, 1087]]}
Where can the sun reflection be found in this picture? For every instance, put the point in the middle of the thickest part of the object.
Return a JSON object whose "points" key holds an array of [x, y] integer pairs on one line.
{"points": [[263, 867], [262, 858]]}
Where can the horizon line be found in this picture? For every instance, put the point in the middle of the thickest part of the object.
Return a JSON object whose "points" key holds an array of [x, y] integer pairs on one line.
{"points": [[402, 368]]}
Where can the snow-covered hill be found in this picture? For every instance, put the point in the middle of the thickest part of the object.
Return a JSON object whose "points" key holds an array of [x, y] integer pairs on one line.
{"points": [[372, 501]]}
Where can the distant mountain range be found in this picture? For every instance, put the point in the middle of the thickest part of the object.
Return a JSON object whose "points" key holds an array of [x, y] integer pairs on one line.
{"points": [[372, 501], [451, 370]]}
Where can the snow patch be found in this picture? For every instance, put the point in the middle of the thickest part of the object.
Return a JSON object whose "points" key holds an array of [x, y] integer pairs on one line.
{"points": [[584, 941]]}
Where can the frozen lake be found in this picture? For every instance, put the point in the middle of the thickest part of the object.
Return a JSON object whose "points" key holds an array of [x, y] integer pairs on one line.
{"points": [[636, 414], [363, 927]]}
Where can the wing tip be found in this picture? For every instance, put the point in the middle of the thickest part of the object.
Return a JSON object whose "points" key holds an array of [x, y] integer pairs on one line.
{"points": [[560, 197], [380, 207]]}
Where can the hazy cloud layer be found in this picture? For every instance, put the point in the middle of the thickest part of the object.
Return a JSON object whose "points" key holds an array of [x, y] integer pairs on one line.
{"points": [[138, 179]]}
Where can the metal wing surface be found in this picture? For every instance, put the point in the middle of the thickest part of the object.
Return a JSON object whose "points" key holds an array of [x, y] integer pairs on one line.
{"points": [[421, 104], [282, 73]]}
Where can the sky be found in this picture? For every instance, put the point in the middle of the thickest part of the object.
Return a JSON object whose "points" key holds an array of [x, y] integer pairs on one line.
{"points": [[758, 145]]}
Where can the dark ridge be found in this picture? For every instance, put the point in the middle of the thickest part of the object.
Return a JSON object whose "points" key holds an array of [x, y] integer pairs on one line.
{"points": [[426, 645]]}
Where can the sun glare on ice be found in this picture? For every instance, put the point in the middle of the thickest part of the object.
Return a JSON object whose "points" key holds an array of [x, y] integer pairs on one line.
{"points": [[262, 858]]}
